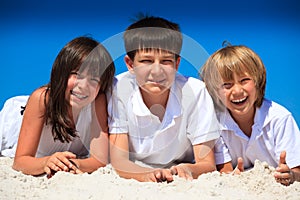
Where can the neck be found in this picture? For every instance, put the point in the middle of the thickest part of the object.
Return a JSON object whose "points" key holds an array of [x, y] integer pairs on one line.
{"points": [[74, 113], [245, 122], [156, 103]]}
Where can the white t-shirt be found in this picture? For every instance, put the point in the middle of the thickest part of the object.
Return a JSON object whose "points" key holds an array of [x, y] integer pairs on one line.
{"points": [[189, 120], [11, 117], [274, 130]]}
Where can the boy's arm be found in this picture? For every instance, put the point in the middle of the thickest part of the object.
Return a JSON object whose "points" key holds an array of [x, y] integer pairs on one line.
{"points": [[204, 162], [225, 168], [284, 174], [127, 169]]}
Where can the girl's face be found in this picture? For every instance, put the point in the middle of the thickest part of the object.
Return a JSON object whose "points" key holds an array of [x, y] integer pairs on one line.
{"points": [[155, 70], [239, 95], [82, 89]]}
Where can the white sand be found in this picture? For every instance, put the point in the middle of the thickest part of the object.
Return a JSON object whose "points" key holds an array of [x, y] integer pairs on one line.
{"points": [[254, 184]]}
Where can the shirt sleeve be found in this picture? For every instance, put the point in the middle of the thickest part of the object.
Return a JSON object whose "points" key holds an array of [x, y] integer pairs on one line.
{"points": [[203, 125], [288, 139], [221, 152], [116, 108]]}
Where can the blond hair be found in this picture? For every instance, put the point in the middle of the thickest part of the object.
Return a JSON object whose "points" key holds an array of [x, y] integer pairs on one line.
{"points": [[222, 65]]}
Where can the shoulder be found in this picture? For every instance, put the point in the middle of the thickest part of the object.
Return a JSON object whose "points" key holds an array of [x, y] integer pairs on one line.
{"points": [[189, 83], [272, 111], [192, 91], [124, 84], [124, 77], [38, 97], [39, 92], [124, 80]]}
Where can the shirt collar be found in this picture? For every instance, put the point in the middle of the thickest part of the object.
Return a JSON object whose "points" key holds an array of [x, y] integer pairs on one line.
{"points": [[173, 110], [261, 118]]}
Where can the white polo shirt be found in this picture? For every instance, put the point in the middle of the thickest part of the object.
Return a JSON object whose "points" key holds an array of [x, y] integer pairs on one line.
{"points": [[274, 130], [189, 120]]}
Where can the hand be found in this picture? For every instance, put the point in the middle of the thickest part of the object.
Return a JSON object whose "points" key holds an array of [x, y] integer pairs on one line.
{"points": [[59, 161], [182, 171], [284, 174], [159, 175], [75, 169], [239, 167]]}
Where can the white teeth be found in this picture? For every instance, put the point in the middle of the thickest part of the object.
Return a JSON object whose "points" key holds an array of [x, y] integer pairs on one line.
{"points": [[78, 95], [239, 100]]}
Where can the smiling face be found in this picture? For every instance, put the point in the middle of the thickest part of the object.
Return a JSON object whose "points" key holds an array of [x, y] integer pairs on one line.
{"points": [[239, 95], [82, 89], [154, 69]]}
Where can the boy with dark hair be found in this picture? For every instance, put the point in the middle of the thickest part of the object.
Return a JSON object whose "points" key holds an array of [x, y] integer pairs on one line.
{"points": [[158, 117]]}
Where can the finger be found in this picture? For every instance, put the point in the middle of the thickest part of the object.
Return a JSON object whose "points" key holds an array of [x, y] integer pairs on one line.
{"points": [[63, 163], [50, 172], [184, 174], [284, 181], [240, 164], [73, 165], [54, 164], [282, 166], [168, 176], [158, 176], [173, 170], [69, 155], [279, 175], [47, 170], [78, 171], [282, 158], [150, 177], [236, 171]]}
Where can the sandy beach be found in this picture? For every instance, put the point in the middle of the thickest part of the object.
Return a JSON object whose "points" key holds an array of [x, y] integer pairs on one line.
{"points": [[257, 183]]}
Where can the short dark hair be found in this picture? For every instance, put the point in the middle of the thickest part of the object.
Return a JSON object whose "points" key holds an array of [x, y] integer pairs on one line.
{"points": [[153, 33]]}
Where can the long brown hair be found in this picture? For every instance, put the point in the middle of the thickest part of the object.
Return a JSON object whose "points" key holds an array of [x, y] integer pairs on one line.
{"points": [[79, 54]]}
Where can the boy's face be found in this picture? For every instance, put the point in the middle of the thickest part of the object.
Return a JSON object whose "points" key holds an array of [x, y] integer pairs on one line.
{"points": [[239, 95], [155, 70]]}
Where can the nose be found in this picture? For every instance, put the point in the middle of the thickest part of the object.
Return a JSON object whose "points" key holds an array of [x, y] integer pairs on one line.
{"points": [[237, 88], [82, 83], [155, 68]]}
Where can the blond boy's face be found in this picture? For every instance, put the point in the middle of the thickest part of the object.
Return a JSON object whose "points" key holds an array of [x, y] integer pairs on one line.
{"points": [[155, 70], [239, 95]]}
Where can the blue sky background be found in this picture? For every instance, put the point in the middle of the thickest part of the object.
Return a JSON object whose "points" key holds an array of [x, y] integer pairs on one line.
{"points": [[33, 32]]}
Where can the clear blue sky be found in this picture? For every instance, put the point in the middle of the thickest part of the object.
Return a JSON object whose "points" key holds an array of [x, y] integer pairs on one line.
{"points": [[33, 32]]}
